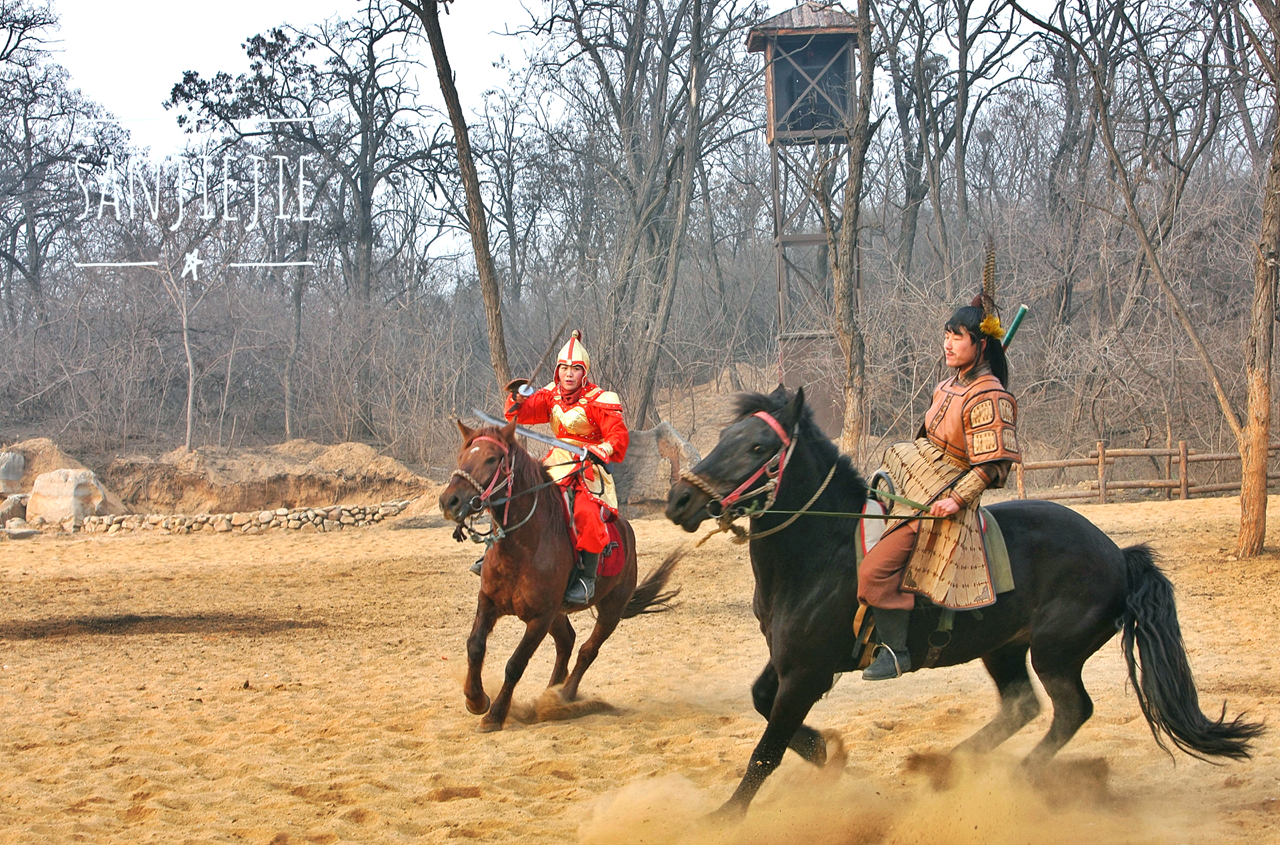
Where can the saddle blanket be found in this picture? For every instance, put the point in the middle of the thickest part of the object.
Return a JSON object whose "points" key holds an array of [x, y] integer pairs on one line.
{"points": [[614, 557], [997, 554]]}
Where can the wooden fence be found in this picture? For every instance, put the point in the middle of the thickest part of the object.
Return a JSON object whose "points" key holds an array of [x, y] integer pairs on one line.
{"points": [[1104, 459]]}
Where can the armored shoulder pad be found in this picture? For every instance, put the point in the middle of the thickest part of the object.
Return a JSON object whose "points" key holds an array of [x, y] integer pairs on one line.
{"points": [[990, 426], [607, 399]]}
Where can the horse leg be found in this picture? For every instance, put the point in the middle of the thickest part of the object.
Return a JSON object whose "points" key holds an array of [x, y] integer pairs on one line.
{"points": [[806, 742], [605, 624], [1072, 707], [563, 636], [1007, 666], [473, 687], [1062, 639], [795, 697], [535, 631]]}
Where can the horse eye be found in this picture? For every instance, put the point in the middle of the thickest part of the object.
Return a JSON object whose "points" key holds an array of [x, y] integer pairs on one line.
{"points": [[489, 460]]}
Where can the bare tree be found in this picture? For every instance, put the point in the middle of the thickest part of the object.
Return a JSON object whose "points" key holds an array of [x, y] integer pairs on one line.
{"points": [[1255, 440], [428, 13]]}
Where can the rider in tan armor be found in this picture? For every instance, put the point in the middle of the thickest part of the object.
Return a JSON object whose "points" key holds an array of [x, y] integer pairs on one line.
{"points": [[583, 414], [968, 443]]}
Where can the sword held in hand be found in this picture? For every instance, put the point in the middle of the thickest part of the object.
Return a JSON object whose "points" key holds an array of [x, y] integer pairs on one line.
{"points": [[581, 452]]}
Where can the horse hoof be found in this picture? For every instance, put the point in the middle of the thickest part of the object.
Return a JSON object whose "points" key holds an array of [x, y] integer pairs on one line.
{"points": [[728, 813], [487, 727], [478, 711]]}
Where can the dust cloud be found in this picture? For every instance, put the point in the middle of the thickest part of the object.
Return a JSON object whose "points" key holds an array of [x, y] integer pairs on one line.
{"points": [[941, 800]]}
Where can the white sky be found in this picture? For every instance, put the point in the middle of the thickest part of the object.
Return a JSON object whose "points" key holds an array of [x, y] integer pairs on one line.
{"points": [[127, 56]]}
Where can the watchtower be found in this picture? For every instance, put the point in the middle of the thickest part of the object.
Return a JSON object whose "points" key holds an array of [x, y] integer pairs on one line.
{"points": [[809, 73]]}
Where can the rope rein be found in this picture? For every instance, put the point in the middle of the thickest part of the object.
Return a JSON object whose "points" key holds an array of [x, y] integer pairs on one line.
{"points": [[772, 470]]}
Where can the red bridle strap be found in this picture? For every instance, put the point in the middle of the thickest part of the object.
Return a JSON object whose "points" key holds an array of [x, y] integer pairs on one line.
{"points": [[776, 426], [493, 482], [780, 455]]}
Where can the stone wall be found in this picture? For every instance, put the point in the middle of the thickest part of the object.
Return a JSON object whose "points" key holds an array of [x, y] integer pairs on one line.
{"points": [[333, 518]]}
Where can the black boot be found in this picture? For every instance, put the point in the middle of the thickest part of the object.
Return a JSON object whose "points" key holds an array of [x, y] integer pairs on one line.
{"points": [[892, 658], [582, 588]]}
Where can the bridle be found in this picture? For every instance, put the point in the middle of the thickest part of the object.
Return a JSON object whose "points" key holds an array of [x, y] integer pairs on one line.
{"points": [[771, 470], [503, 477], [725, 509]]}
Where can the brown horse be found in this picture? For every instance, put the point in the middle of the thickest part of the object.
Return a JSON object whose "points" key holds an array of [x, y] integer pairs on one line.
{"points": [[527, 566]]}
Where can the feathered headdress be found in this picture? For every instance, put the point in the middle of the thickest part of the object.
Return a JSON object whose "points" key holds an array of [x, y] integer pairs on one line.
{"points": [[986, 298]]}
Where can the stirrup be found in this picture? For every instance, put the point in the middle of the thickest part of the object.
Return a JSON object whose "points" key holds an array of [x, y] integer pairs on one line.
{"points": [[477, 566], [900, 666], [580, 592]]}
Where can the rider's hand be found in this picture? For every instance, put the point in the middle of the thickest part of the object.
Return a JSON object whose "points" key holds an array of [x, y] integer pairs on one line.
{"points": [[945, 507], [513, 387], [598, 455]]}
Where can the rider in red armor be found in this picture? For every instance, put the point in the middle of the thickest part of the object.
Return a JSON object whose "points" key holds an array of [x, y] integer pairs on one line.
{"points": [[583, 414]]}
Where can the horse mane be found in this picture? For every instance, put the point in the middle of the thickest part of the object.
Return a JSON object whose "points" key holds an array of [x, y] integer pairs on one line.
{"points": [[807, 430]]}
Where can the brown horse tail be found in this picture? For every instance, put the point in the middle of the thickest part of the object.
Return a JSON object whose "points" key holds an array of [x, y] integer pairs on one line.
{"points": [[649, 596], [1160, 673]]}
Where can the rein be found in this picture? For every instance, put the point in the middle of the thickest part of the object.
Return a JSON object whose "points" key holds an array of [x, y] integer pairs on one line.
{"points": [[485, 501], [772, 470], [728, 514]]}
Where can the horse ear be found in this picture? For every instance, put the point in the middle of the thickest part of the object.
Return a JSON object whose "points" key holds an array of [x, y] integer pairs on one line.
{"points": [[790, 413], [467, 433], [509, 432], [779, 392]]}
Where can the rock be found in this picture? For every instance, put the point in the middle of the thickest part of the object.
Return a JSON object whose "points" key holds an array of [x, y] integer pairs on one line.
{"points": [[14, 507], [655, 458], [12, 465], [20, 533], [66, 494], [16, 522], [222, 525], [239, 519]]}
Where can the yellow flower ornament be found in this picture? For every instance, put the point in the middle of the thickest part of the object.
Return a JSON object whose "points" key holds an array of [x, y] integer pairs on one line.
{"points": [[991, 327]]}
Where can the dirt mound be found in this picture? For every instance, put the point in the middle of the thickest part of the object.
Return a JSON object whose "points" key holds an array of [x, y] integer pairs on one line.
{"points": [[42, 455], [298, 473]]}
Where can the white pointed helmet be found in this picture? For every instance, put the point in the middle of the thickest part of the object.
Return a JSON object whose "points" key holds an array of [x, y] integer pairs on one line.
{"points": [[574, 352]]}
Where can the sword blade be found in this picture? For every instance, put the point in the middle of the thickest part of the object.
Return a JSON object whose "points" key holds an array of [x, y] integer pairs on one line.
{"points": [[545, 439]]}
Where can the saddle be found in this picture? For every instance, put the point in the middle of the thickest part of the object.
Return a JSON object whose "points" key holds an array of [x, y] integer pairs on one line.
{"points": [[612, 559], [1000, 571]]}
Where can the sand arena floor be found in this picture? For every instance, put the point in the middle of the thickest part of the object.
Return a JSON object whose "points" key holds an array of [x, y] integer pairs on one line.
{"points": [[286, 688]]}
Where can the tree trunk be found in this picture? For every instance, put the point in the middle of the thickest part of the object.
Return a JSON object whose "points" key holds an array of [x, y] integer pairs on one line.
{"points": [[1257, 430], [843, 247], [429, 14], [652, 350], [191, 372]]}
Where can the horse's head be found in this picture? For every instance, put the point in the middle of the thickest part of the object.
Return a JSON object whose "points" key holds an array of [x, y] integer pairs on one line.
{"points": [[482, 462], [746, 447]]}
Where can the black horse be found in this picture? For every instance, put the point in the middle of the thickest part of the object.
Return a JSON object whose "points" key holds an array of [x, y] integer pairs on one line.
{"points": [[1074, 589]]}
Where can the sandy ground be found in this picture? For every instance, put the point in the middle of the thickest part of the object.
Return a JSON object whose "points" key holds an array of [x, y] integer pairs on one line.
{"points": [[286, 688]]}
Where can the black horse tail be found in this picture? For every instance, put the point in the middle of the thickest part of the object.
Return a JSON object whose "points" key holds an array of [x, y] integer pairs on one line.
{"points": [[1159, 671], [649, 596]]}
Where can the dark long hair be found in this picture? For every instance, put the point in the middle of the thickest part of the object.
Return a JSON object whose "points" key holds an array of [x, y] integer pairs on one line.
{"points": [[969, 318]]}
